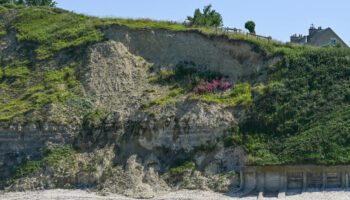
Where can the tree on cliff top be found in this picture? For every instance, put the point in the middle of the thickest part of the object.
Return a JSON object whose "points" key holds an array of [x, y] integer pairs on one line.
{"points": [[50, 3], [207, 18], [250, 25]]}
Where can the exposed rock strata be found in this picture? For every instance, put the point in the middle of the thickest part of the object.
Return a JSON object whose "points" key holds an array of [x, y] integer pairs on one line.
{"points": [[133, 149], [29, 142]]}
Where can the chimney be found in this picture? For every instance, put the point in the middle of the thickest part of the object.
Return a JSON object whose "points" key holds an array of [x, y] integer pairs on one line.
{"points": [[312, 30], [295, 38]]}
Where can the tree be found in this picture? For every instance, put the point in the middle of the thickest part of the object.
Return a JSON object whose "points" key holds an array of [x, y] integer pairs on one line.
{"points": [[207, 18], [50, 3], [6, 1], [338, 45], [250, 25]]}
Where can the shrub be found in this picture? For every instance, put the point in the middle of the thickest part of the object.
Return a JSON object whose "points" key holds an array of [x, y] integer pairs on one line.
{"points": [[207, 18], [149, 90], [50, 3], [54, 157], [26, 168], [250, 25], [185, 75], [303, 116], [5, 1], [183, 168], [93, 119], [58, 154], [347, 96], [211, 87], [240, 95], [3, 33]]}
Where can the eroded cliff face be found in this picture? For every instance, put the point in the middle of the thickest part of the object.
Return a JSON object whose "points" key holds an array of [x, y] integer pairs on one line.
{"points": [[141, 145], [29, 142], [163, 48]]}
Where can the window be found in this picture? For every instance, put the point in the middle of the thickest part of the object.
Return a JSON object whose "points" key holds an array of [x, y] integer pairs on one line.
{"points": [[333, 42]]}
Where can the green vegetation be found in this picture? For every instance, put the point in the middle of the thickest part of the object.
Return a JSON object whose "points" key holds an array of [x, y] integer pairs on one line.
{"points": [[151, 163], [301, 115], [16, 72], [54, 158], [91, 167], [207, 18], [149, 90], [3, 33], [250, 26], [181, 80], [25, 89], [240, 95], [94, 118], [304, 113], [338, 45], [57, 155], [181, 169], [185, 75], [168, 98], [26, 168], [148, 24], [55, 29], [50, 3]]}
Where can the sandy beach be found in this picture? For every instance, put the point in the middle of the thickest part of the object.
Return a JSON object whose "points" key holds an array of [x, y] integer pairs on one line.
{"points": [[178, 195]]}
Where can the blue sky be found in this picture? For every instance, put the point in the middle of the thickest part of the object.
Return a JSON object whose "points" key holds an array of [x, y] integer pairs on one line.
{"points": [[276, 18]]}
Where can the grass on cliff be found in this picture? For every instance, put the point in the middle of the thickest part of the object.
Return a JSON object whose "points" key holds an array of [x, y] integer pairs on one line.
{"points": [[149, 24], [241, 94], [300, 116], [53, 159], [185, 77], [54, 29], [51, 30], [180, 80], [303, 116], [179, 169], [24, 89]]}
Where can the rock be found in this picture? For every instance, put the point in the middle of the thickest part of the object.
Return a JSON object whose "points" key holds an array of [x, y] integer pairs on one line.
{"points": [[131, 147]]}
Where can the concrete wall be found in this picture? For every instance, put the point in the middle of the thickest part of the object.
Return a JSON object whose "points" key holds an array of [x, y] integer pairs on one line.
{"points": [[283, 178]]}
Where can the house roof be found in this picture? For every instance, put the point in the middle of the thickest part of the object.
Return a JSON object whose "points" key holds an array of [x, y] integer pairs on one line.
{"points": [[318, 34], [320, 38], [339, 38]]}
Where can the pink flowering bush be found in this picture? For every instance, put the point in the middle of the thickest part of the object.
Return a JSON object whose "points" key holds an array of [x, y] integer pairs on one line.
{"points": [[211, 87]]}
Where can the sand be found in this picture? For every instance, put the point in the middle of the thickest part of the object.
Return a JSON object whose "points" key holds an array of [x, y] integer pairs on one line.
{"points": [[59, 194]]}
